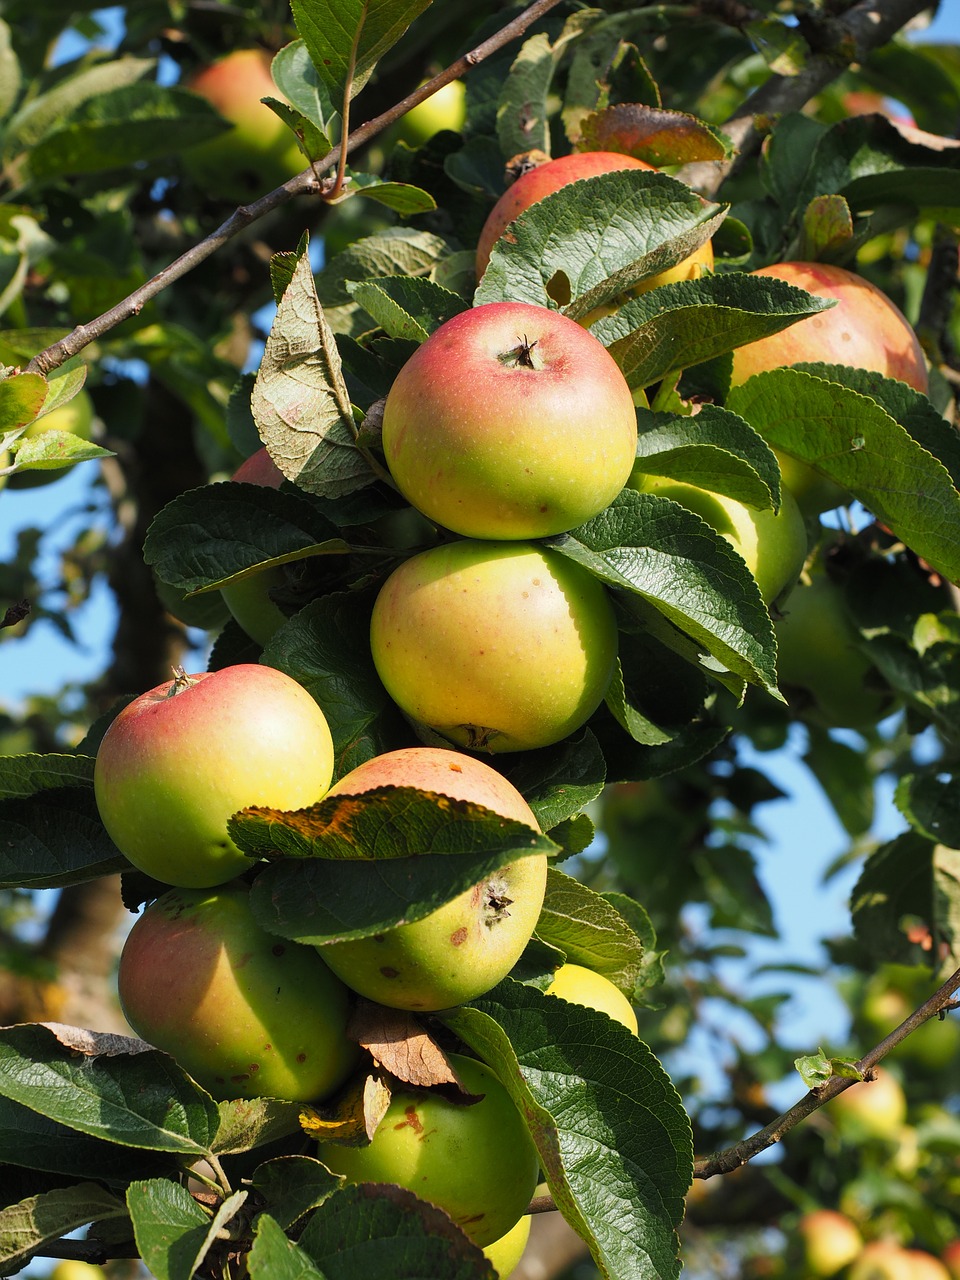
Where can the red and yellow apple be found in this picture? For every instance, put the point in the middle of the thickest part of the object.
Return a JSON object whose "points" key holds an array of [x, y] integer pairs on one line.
{"points": [[950, 1257], [546, 178], [830, 1241], [467, 945], [496, 646], [178, 761], [477, 1162], [871, 1108], [510, 421], [882, 1260], [248, 598], [924, 1266], [579, 985], [244, 1012], [259, 152]]}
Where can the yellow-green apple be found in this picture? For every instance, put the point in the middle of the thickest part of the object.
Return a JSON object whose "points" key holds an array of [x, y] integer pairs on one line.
{"points": [[830, 1241], [550, 176], [823, 673], [76, 416], [179, 760], [248, 599], [579, 985], [445, 109], [496, 646], [924, 1266], [504, 1254], [882, 1260], [246, 1013], [510, 421], [871, 1108], [865, 329], [891, 995], [74, 1269], [476, 1162], [259, 152], [467, 945], [772, 543]]}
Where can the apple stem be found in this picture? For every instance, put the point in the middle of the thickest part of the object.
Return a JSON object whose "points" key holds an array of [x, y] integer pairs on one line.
{"points": [[180, 682]]}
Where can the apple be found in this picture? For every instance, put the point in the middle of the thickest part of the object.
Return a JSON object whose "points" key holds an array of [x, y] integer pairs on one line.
{"points": [[871, 1108], [773, 544], [466, 946], [890, 996], [584, 986], [882, 1260], [445, 109], [495, 646], [248, 599], [246, 1013], [830, 1241], [950, 1257], [181, 758], [510, 421], [76, 416], [74, 1269], [924, 1266], [477, 1162], [259, 152], [823, 674], [546, 178], [504, 1254]]}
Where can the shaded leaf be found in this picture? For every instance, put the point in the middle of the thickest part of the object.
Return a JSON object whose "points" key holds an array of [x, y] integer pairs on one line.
{"points": [[590, 931], [346, 41], [26, 1227], [654, 134], [274, 1256]]}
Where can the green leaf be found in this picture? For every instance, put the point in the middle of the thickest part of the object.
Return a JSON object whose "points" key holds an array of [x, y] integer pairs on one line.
{"points": [[923, 668], [522, 123], [590, 931], [595, 238], [169, 1227], [296, 78], [817, 1068], [651, 970], [906, 903], [674, 561], [274, 1256], [405, 307], [54, 450], [688, 322], [122, 127], [401, 197], [558, 782], [615, 1144], [930, 802], [827, 230], [293, 1185], [26, 1227], [654, 134], [313, 142], [300, 402], [10, 75], [25, 775], [225, 532], [346, 38], [132, 1095], [846, 777], [852, 440], [246, 1123], [21, 399]]}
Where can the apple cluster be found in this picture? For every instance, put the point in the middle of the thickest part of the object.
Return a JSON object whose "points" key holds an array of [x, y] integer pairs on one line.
{"points": [[248, 1013]]}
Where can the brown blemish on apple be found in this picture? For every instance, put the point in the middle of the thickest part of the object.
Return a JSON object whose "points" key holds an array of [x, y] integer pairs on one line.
{"points": [[389, 972], [279, 949], [459, 936], [301, 1057], [411, 1120]]}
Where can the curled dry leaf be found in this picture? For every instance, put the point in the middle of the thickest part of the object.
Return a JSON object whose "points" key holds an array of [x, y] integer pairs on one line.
{"points": [[96, 1044], [354, 1116], [398, 1042]]}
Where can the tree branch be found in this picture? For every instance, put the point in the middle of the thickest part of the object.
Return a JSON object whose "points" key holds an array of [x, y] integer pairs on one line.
{"points": [[733, 1157], [844, 40], [306, 183]]}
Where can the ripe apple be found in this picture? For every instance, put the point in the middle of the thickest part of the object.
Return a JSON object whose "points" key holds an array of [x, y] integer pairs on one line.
{"points": [[830, 1241], [244, 1012], [259, 152], [773, 544], [510, 421], [951, 1259], [477, 1162], [824, 676], [924, 1266], [76, 416], [180, 759], [248, 599], [882, 1260], [546, 178], [466, 946], [504, 1254], [496, 646], [584, 986], [871, 1108], [445, 109]]}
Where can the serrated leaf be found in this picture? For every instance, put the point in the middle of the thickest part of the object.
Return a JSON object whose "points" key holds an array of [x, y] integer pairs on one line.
{"points": [[651, 973], [293, 1185], [300, 402], [296, 78], [139, 1099], [21, 399], [169, 1227], [906, 903], [850, 439], [405, 307], [558, 782], [522, 123], [647, 545], [396, 251], [314, 144], [274, 1256], [22, 776], [574, 835], [54, 450], [827, 229], [930, 802], [688, 322], [26, 1227], [54, 838], [615, 1144], [590, 931], [654, 134], [345, 40], [246, 1123], [601, 236]]}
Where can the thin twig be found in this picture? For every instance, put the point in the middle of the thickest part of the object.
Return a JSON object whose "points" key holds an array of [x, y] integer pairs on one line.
{"points": [[733, 1157], [305, 183]]}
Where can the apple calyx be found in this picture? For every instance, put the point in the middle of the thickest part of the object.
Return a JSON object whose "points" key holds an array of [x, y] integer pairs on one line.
{"points": [[496, 903], [522, 356]]}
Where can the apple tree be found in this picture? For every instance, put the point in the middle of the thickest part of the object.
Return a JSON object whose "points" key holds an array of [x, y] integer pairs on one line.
{"points": [[607, 491]]}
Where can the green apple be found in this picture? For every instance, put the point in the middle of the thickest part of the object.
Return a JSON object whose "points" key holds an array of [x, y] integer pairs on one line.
{"points": [[76, 416], [246, 1013], [830, 1241], [773, 544], [584, 986], [871, 1108], [466, 946], [476, 1162], [259, 152], [504, 1254], [178, 761], [510, 421], [445, 109], [496, 646], [248, 598], [74, 1269]]}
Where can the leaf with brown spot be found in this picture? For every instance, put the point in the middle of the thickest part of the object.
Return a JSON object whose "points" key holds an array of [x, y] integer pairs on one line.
{"points": [[399, 1043], [354, 1116], [654, 134]]}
